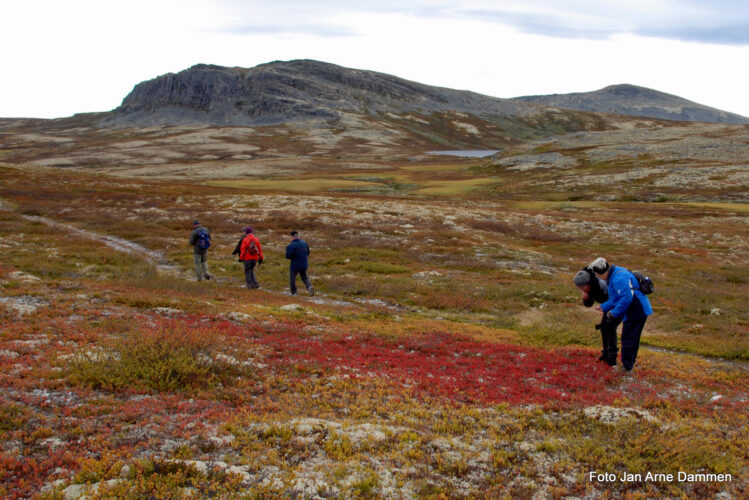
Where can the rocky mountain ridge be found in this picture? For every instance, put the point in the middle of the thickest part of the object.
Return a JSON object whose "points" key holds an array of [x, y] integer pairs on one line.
{"points": [[303, 90], [281, 92], [626, 99]]}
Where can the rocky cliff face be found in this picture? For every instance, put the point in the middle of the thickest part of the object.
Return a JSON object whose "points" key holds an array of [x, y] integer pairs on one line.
{"points": [[637, 101], [281, 92]]}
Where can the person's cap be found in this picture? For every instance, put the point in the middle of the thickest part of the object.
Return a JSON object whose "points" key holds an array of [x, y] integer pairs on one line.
{"points": [[247, 230], [195, 222], [294, 233], [599, 266], [582, 278]]}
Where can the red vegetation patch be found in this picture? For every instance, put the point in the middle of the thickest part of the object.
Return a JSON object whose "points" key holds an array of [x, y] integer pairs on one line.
{"points": [[460, 369]]}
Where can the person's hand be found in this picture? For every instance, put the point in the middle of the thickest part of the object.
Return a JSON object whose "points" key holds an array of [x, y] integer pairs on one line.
{"points": [[259, 261], [598, 308]]}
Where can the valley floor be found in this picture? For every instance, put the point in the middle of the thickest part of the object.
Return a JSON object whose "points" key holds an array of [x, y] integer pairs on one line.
{"points": [[445, 355]]}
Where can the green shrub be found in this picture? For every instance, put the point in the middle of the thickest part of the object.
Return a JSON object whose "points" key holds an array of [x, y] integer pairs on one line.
{"points": [[167, 358]]}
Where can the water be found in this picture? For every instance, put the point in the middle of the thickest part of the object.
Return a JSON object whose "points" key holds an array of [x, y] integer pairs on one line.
{"points": [[466, 153]]}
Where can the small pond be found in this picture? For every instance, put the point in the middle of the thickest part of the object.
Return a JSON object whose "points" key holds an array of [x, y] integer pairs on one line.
{"points": [[466, 153]]}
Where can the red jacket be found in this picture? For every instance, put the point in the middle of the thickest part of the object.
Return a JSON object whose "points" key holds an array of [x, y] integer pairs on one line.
{"points": [[246, 253]]}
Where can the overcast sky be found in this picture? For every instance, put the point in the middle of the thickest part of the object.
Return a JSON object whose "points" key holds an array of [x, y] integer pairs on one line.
{"points": [[64, 57]]}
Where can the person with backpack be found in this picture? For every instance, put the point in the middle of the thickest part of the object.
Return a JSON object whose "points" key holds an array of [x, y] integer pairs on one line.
{"points": [[297, 253], [627, 303], [594, 289], [200, 239], [251, 255]]}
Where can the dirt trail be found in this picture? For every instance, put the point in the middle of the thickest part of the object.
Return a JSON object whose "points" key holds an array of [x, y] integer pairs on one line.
{"points": [[734, 363], [113, 242]]}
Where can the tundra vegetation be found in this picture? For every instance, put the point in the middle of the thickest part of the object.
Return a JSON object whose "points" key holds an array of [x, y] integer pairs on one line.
{"points": [[446, 354]]}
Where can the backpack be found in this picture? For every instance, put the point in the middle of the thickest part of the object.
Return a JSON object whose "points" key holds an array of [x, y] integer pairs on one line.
{"points": [[646, 284], [253, 248], [204, 240]]}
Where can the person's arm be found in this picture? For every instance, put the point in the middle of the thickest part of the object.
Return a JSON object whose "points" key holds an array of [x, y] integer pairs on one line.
{"points": [[193, 237], [259, 251], [588, 300], [238, 248], [289, 251], [306, 245], [621, 287]]}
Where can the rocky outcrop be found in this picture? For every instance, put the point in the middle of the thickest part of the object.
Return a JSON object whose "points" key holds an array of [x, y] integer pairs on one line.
{"points": [[637, 101], [280, 92]]}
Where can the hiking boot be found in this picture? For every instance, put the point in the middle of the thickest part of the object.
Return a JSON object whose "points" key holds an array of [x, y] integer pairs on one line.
{"points": [[603, 357], [208, 277], [311, 291]]}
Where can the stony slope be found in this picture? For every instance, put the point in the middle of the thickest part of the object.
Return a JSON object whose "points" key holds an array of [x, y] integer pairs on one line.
{"points": [[637, 101], [280, 92]]}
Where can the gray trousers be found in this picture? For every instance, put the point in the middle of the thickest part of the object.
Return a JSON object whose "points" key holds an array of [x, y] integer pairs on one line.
{"points": [[249, 273], [201, 267]]}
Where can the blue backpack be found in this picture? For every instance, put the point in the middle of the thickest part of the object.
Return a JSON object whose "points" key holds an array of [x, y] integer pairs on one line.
{"points": [[204, 240]]}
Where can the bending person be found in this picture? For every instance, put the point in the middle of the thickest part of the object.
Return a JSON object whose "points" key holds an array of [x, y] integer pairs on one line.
{"points": [[626, 303], [594, 289]]}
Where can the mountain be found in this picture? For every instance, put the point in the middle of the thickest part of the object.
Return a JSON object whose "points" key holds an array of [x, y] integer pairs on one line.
{"points": [[632, 100], [300, 90]]}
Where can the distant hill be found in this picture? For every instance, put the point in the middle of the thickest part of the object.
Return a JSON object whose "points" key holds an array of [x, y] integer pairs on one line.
{"points": [[637, 101], [281, 92]]}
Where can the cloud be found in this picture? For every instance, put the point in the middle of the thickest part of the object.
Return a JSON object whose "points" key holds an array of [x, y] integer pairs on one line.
{"points": [[321, 30], [724, 22], [721, 22]]}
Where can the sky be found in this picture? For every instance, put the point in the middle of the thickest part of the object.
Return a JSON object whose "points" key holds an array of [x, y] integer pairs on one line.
{"points": [[61, 58]]}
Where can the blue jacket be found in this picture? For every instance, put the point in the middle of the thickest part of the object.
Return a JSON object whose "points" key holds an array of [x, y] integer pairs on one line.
{"points": [[297, 252], [623, 288]]}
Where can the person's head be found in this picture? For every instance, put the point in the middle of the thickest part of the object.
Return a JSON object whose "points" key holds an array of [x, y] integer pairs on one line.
{"points": [[294, 235], [195, 223], [582, 281], [600, 266], [248, 230]]}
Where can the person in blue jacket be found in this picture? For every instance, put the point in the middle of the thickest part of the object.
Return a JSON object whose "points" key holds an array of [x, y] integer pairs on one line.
{"points": [[626, 304], [297, 253]]}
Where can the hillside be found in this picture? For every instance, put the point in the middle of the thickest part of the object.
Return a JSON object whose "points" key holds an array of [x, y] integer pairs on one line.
{"points": [[637, 101], [280, 92], [303, 90], [445, 354]]}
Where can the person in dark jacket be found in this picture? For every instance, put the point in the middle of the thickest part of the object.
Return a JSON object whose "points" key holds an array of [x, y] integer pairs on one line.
{"points": [[626, 304], [197, 240], [251, 255], [595, 290], [297, 253]]}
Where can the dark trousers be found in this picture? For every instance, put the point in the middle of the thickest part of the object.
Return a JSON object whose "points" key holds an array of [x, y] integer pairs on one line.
{"points": [[608, 341], [292, 279], [631, 333], [249, 273]]}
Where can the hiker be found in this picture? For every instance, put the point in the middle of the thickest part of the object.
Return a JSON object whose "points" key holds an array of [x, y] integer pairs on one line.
{"points": [[297, 253], [200, 239], [594, 289], [251, 255], [626, 303]]}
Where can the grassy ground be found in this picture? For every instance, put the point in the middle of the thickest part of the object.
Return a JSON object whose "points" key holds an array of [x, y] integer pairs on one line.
{"points": [[446, 353]]}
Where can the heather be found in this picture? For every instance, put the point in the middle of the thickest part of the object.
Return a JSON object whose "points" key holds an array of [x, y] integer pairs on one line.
{"points": [[445, 355]]}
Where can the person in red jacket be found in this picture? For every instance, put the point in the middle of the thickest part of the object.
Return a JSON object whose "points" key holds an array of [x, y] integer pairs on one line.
{"points": [[251, 255]]}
